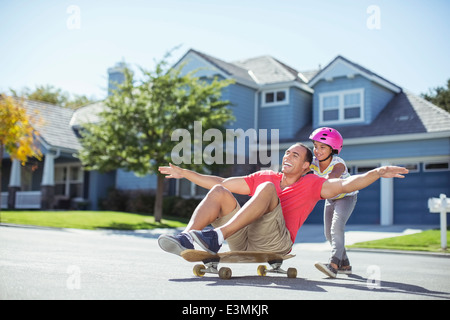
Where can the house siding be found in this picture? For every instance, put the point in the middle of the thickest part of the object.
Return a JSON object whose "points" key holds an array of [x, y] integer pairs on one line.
{"points": [[277, 117], [126, 180], [411, 196], [375, 96], [378, 97], [367, 208], [99, 185], [399, 149], [288, 118], [242, 100]]}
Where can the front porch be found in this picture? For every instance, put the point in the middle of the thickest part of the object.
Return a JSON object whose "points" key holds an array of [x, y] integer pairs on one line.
{"points": [[57, 182], [23, 200]]}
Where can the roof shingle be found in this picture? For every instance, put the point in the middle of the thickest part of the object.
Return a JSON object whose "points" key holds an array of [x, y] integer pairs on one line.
{"points": [[53, 124]]}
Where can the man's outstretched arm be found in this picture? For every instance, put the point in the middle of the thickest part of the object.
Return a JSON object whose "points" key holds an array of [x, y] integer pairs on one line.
{"points": [[234, 184], [333, 187]]}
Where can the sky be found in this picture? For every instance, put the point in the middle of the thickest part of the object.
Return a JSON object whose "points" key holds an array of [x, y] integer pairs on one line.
{"points": [[71, 44]]}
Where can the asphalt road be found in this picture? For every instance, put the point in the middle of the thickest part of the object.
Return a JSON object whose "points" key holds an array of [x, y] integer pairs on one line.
{"points": [[40, 263]]}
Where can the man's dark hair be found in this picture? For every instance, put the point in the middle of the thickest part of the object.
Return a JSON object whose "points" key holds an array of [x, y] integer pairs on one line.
{"points": [[309, 154]]}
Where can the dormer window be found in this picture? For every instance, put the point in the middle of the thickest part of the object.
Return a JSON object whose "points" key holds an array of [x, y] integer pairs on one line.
{"points": [[339, 107], [275, 97]]}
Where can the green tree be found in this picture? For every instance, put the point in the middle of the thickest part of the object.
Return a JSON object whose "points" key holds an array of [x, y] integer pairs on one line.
{"points": [[50, 94], [439, 96], [134, 131]]}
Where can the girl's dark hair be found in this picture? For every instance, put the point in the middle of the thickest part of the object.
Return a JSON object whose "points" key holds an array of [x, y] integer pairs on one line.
{"points": [[309, 154]]}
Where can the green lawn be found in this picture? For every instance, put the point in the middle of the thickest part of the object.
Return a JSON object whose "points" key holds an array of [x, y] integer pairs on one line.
{"points": [[429, 240], [87, 220]]}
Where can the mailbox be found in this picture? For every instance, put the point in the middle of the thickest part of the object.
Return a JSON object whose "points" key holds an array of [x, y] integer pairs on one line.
{"points": [[441, 205]]}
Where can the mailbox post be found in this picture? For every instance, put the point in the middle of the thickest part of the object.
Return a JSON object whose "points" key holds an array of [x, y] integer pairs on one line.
{"points": [[441, 205]]}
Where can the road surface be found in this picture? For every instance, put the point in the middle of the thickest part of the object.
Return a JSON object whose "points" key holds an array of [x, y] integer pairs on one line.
{"points": [[46, 263]]}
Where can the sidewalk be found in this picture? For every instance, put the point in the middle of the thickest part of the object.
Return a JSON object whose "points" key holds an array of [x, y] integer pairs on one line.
{"points": [[311, 236]]}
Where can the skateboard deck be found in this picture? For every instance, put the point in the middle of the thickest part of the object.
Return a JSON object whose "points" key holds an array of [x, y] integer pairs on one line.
{"points": [[211, 261]]}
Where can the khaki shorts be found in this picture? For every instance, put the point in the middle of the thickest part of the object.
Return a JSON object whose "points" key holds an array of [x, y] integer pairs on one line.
{"points": [[268, 233]]}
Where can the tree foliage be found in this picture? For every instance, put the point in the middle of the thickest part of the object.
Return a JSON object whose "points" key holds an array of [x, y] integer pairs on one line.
{"points": [[50, 94], [17, 135], [134, 131], [439, 96]]}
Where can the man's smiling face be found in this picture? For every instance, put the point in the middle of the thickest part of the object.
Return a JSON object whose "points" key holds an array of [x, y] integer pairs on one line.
{"points": [[294, 160]]}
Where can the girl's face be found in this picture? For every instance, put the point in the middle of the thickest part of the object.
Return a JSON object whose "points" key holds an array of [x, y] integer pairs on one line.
{"points": [[321, 150]]}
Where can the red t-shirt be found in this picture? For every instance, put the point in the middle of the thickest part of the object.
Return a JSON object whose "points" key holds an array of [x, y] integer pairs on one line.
{"points": [[297, 200]]}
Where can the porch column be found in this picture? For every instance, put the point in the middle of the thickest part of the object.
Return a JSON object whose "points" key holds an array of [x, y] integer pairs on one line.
{"points": [[387, 200], [48, 182], [14, 183]]}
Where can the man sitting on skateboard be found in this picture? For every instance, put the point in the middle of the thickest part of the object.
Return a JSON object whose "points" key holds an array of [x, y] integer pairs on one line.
{"points": [[278, 207]]}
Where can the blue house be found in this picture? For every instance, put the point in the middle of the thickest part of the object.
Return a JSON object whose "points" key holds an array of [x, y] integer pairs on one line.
{"points": [[382, 124]]}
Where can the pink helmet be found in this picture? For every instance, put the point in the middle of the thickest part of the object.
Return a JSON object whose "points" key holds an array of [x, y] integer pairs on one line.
{"points": [[329, 136]]}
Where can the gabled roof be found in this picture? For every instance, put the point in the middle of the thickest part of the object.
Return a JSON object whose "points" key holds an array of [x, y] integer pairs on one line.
{"points": [[267, 69], [258, 71], [53, 125], [351, 69], [229, 68], [406, 113], [87, 114]]}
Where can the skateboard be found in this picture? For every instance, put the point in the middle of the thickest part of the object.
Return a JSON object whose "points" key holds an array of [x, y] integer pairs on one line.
{"points": [[212, 261]]}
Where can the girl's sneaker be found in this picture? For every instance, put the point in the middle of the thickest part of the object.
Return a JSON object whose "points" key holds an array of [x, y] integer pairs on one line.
{"points": [[326, 268], [345, 270]]}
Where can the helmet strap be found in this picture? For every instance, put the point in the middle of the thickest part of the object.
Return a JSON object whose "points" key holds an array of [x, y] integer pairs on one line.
{"points": [[331, 154]]}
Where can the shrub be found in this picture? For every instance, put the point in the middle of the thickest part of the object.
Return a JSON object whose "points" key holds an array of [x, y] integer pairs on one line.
{"points": [[143, 201]]}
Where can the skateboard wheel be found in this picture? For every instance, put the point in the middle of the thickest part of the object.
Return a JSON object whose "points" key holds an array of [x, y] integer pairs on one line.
{"points": [[292, 273], [225, 273], [262, 270], [199, 270]]}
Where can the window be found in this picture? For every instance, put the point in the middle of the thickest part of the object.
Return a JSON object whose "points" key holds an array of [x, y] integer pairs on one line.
{"points": [[69, 180], [436, 166], [341, 106], [187, 189], [275, 97], [412, 167], [364, 169]]}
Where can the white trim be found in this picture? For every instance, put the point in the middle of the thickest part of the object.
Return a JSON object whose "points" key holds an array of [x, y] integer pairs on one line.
{"points": [[212, 67], [256, 110], [340, 107], [286, 84], [383, 139], [28, 200], [372, 165], [386, 199], [68, 181], [436, 162], [15, 174], [353, 70], [409, 163], [396, 161], [266, 104]]}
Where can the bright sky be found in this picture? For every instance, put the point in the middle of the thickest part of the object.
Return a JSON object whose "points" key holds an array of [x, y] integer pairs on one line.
{"points": [[71, 44]]}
